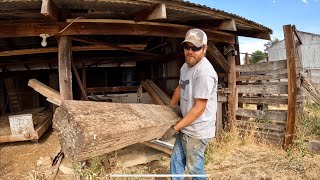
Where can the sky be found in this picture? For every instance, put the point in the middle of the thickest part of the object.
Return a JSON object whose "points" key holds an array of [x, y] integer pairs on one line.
{"points": [[304, 14]]}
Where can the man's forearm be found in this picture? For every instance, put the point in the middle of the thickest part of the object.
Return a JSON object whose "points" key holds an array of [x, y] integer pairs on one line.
{"points": [[176, 97]]}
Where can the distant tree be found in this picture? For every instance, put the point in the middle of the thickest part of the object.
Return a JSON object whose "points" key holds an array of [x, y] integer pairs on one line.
{"points": [[257, 56], [271, 43]]}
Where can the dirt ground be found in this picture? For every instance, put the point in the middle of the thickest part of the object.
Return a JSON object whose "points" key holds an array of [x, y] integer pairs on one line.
{"points": [[230, 159]]}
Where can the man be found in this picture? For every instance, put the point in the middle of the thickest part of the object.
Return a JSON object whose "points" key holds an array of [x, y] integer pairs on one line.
{"points": [[197, 93]]}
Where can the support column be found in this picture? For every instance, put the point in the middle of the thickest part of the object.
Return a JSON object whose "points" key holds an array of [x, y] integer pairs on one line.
{"points": [[232, 88], [292, 83], [64, 67]]}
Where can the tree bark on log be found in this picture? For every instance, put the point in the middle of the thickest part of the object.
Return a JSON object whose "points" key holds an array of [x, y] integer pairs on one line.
{"points": [[88, 129]]}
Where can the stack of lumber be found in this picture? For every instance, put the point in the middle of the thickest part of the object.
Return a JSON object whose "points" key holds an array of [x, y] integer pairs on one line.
{"points": [[157, 94], [88, 129]]}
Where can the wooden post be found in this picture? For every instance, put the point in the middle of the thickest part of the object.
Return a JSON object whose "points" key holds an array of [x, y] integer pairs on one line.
{"points": [[232, 88], [75, 71], [65, 76], [247, 59], [292, 83], [84, 77]]}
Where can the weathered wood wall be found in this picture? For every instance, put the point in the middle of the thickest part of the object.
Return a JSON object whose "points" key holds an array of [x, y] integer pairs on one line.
{"points": [[263, 84]]}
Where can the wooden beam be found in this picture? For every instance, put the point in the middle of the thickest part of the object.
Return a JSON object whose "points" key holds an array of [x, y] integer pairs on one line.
{"points": [[228, 24], [277, 115], [64, 67], [127, 27], [84, 77], [264, 100], [74, 48], [75, 71], [106, 27], [264, 126], [262, 77], [310, 89], [232, 105], [155, 12], [292, 83], [45, 90], [263, 89], [215, 56], [49, 10], [264, 66], [93, 41]]}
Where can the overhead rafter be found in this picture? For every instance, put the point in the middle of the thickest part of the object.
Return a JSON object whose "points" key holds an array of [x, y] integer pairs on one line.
{"points": [[224, 25], [107, 27], [217, 58], [50, 10], [155, 12], [92, 41], [73, 48], [228, 24]]}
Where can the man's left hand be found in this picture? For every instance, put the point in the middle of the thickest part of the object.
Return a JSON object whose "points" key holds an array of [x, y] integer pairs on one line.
{"points": [[169, 133]]}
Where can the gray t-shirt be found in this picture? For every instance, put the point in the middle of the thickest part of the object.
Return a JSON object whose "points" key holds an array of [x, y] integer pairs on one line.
{"points": [[199, 81]]}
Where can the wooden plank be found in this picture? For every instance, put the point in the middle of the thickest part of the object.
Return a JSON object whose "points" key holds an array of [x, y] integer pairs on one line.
{"points": [[19, 137], [263, 89], [74, 48], [64, 67], [265, 83], [41, 129], [265, 66], [111, 89], [88, 129], [276, 115], [310, 89], [292, 83], [45, 90], [152, 93], [263, 100], [215, 56], [155, 12], [164, 97], [49, 9], [262, 72], [262, 77], [265, 126]]}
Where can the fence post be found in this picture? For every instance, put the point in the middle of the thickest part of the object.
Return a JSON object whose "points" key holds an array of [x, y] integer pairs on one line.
{"points": [[292, 83]]}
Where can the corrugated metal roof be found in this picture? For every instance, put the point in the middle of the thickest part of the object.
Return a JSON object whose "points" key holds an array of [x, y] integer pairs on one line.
{"points": [[127, 6]]}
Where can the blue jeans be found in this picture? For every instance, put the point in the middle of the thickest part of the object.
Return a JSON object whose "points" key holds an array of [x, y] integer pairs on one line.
{"points": [[188, 152]]}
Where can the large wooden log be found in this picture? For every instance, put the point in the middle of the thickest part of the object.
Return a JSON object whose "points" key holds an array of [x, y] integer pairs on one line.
{"points": [[88, 129]]}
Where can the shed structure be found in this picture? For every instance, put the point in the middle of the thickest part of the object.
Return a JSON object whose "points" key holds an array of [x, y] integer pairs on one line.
{"points": [[308, 52], [104, 49]]}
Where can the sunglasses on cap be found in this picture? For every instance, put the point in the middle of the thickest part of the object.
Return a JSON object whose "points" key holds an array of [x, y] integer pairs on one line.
{"points": [[193, 48]]}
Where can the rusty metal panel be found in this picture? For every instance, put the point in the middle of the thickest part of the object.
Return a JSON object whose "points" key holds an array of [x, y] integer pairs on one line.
{"points": [[21, 124]]}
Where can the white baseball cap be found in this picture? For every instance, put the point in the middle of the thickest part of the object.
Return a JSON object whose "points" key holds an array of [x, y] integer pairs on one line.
{"points": [[197, 37]]}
